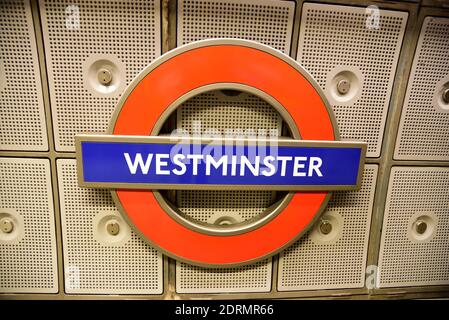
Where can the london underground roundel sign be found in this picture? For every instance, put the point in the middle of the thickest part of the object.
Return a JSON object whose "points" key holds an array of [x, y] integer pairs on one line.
{"points": [[135, 162]]}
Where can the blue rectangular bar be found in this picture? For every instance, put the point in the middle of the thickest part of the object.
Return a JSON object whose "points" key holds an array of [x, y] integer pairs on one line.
{"points": [[174, 165]]}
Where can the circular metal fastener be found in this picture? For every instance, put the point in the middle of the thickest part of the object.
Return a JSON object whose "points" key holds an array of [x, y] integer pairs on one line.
{"points": [[421, 226], [445, 95], [6, 225], [241, 62], [104, 76], [343, 86], [225, 221], [325, 227], [113, 228]]}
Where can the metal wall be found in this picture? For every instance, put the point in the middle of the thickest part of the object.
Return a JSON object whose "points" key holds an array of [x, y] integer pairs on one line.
{"points": [[396, 63]]}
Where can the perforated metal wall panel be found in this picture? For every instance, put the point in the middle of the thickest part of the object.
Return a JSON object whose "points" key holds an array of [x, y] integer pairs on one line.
{"points": [[241, 114], [423, 130], [345, 43], [409, 257], [210, 205], [94, 260], [251, 278], [244, 114], [28, 247], [81, 39], [337, 259], [22, 115], [266, 21]]}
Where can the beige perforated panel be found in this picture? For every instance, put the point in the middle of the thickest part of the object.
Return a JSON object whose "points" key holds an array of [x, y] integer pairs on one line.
{"points": [[204, 205], [319, 262], [404, 258], [242, 114], [423, 130], [93, 261], [22, 114], [80, 37], [28, 253], [266, 21], [251, 278], [335, 39], [215, 112]]}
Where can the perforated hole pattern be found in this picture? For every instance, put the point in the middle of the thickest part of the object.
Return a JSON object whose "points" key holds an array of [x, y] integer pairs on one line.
{"points": [[30, 264], [401, 261], [309, 266], [423, 132], [265, 21], [333, 36], [250, 278], [215, 110], [328, 32], [201, 205], [127, 29], [132, 268], [22, 118]]}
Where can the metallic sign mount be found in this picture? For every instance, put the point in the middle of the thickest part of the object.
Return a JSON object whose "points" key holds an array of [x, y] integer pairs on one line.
{"points": [[109, 161]]}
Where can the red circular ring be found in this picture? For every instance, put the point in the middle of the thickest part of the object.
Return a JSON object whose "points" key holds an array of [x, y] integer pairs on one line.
{"points": [[208, 63]]}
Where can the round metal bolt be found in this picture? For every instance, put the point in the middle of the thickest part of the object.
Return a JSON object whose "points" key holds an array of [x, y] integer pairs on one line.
{"points": [[325, 227], [421, 226], [113, 228], [104, 76], [225, 221], [6, 225], [446, 95], [343, 86]]}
